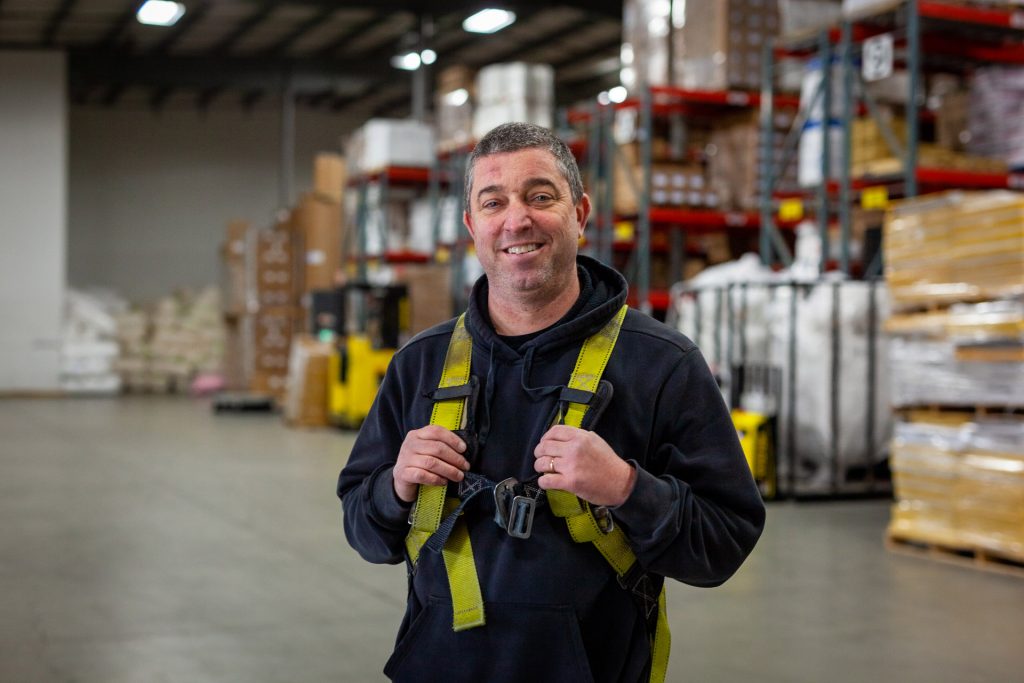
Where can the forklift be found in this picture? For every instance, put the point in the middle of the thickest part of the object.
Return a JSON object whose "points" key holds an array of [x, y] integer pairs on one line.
{"points": [[368, 324]]}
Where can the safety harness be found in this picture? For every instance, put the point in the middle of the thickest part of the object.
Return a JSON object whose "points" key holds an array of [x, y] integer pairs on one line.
{"points": [[434, 520]]}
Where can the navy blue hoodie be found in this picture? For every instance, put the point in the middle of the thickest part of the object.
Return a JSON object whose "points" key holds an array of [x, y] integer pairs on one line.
{"points": [[555, 610]]}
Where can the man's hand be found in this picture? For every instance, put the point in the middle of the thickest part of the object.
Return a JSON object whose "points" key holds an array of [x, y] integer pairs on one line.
{"points": [[583, 463], [430, 455]]}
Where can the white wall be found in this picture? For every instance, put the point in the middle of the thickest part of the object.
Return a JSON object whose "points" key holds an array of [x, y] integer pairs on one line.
{"points": [[33, 210], [151, 193]]}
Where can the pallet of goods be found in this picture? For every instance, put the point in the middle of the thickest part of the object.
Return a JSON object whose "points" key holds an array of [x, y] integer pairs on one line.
{"points": [[956, 356]]}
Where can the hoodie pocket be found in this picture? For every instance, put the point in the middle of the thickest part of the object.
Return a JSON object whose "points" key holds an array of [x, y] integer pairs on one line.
{"points": [[519, 642]]}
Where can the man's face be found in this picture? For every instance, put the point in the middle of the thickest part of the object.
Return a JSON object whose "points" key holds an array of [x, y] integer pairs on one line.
{"points": [[524, 224]]}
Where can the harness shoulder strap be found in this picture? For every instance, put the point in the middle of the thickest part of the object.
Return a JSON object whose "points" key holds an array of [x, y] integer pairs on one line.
{"points": [[583, 526], [432, 503]]}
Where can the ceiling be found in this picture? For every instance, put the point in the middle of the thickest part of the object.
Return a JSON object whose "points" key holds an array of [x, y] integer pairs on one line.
{"points": [[333, 56]]}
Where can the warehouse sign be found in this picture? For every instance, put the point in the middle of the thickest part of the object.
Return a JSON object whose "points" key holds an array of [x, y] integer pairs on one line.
{"points": [[878, 57]]}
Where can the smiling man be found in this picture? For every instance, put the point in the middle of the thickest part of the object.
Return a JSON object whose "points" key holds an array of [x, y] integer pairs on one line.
{"points": [[544, 461]]}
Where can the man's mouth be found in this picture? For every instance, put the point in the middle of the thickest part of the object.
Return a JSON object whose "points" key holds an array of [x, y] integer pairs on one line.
{"points": [[522, 249]]}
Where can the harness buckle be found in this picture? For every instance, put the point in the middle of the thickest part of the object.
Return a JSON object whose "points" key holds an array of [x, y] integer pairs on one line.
{"points": [[603, 517], [520, 521], [503, 493]]}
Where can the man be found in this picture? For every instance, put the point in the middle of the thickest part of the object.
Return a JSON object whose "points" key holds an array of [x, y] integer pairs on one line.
{"points": [[657, 462]]}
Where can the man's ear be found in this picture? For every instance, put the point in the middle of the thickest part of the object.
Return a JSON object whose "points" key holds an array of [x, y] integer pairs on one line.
{"points": [[468, 222], [583, 213]]}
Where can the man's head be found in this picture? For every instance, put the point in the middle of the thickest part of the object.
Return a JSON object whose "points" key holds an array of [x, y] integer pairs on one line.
{"points": [[513, 137], [526, 211]]}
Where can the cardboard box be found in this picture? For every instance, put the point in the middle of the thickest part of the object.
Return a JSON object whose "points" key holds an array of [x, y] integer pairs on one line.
{"points": [[330, 175], [430, 294], [269, 270], [306, 390], [233, 267], [319, 231]]}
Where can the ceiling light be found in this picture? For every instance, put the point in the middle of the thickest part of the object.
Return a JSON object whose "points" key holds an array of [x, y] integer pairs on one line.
{"points": [[160, 12], [457, 98], [428, 56], [617, 94], [603, 99], [410, 61], [488, 21]]}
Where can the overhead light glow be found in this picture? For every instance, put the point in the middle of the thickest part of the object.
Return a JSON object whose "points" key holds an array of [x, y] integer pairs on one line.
{"points": [[617, 94], [457, 98], [160, 12], [428, 57], [410, 61], [603, 99], [488, 21]]}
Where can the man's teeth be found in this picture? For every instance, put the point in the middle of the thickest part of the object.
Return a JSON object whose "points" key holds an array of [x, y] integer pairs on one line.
{"points": [[523, 249]]}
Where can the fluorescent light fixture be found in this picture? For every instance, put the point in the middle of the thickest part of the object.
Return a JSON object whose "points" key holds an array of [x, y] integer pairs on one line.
{"points": [[428, 56], [617, 94], [457, 98], [488, 21], [410, 61], [160, 12]]}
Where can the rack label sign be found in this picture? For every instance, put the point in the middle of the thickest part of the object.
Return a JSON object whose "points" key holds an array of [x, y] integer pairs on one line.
{"points": [[791, 210], [874, 198], [878, 57]]}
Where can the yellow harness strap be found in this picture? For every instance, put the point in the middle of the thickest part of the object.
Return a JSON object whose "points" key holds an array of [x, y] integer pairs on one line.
{"points": [[583, 526], [431, 504]]}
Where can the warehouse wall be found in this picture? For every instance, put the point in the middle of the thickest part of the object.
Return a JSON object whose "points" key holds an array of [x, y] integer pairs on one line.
{"points": [[150, 193], [33, 211]]}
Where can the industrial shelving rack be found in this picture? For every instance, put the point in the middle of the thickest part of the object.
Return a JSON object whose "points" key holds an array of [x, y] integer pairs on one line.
{"points": [[928, 35], [681, 107]]}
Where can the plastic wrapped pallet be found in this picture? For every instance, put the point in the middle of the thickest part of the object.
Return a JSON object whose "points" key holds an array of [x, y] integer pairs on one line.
{"points": [[722, 42], [514, 91], [714, 313], [803, 16], [959, 482], [995, 114], [955, 246], [89, 350], [971, 354], [380, 143]]}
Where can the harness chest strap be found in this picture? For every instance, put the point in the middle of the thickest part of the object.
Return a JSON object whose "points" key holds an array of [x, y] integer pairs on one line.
{"points": [[431, 506]]}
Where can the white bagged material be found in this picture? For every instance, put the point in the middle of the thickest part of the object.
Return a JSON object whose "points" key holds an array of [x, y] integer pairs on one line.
{"points": [[89, 348], [705, 313]]}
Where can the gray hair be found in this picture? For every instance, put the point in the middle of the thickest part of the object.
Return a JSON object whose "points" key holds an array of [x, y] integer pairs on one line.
{"points": [[512, 137]]}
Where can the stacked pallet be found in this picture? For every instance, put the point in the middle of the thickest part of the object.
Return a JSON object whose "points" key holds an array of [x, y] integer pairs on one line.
{"points": [[956, 354]]}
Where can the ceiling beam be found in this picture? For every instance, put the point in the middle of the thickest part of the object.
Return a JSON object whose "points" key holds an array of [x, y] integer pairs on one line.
{"points": [[281, 46], [159, 97], [198, 71], [119, 26], [207, 96], [56, 21], [251, 98], [609, 8], [112, 95], [246, 25], [348, 34], [178, 31]]}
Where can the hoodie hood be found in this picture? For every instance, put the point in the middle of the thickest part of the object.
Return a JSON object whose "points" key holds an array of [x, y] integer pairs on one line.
{"points": [[606, 297]]}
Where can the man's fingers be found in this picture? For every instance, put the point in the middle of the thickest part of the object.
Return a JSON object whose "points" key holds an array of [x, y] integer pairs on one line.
{"points": [[440, 467], [437, 433], [415, 475], [562, 433]]}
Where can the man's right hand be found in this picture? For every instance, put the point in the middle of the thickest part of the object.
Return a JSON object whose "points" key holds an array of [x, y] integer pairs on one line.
{"points": [[431, 455]]}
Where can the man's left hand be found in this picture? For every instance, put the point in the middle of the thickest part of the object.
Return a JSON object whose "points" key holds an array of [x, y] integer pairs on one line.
{"points": [[583, 463]]}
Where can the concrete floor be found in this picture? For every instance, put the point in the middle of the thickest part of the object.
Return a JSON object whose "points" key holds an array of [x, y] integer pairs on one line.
{"points": [[148, 540]]}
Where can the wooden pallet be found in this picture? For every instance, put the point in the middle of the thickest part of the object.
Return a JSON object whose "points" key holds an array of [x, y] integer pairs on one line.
{"points": [[974, 558]]}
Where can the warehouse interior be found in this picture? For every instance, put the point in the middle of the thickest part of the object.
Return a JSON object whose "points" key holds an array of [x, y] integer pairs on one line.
{"points": [[220, 224]]}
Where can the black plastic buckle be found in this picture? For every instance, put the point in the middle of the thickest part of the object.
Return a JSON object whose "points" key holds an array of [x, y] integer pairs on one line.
{"points": [[521, 513], [504, 491]]}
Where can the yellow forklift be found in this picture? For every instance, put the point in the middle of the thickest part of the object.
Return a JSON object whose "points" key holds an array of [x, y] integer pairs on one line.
{"points": [[369, 323]]}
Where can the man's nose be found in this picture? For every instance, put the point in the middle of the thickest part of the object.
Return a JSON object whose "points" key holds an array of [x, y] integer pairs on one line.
{"points": [[517, 215]]}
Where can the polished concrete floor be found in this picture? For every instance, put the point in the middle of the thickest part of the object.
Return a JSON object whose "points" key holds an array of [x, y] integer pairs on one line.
{"points": [[147, 540]]}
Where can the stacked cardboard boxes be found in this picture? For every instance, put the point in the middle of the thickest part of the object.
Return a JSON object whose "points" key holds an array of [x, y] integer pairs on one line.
{"points": [[453, 107], [271, 311], [674, 184], [710, 46], [381, 143], [305, 403], [734, 159]]}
